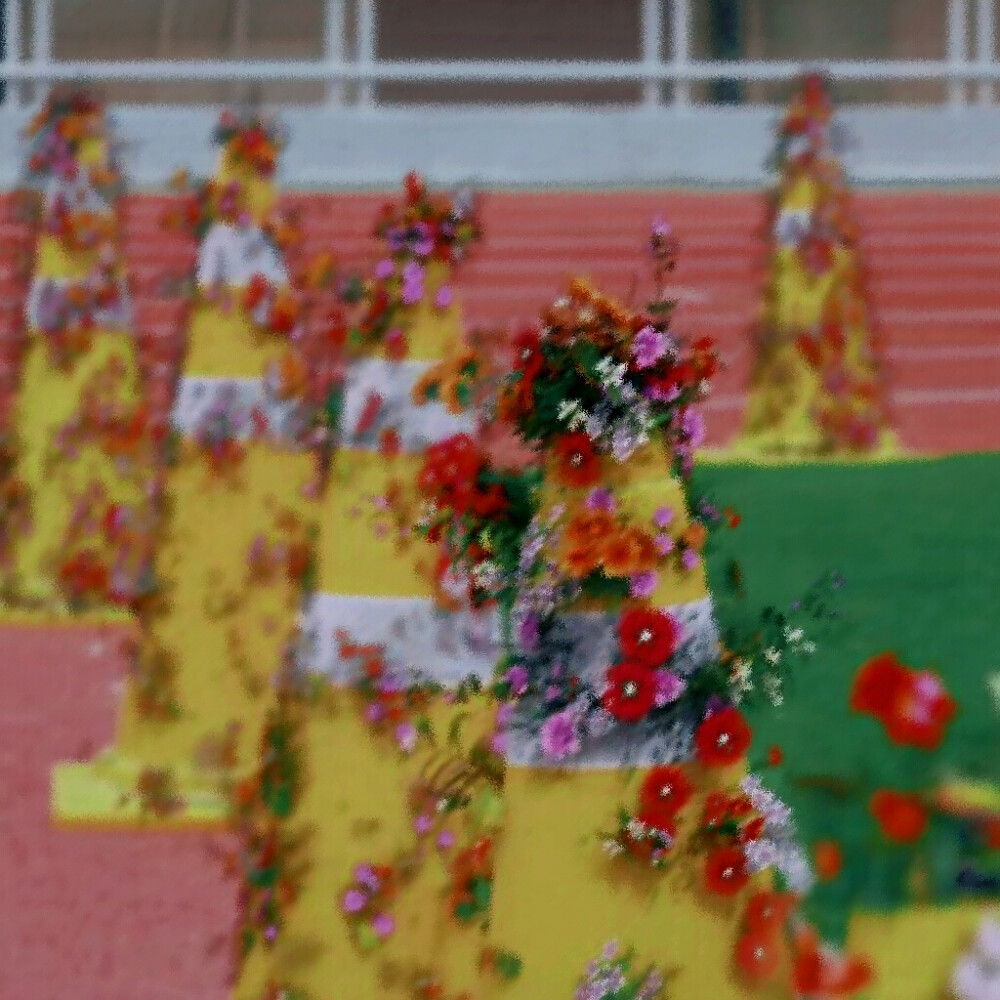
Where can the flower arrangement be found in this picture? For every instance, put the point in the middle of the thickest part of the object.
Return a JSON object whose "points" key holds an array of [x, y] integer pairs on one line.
{"points": [[455, 382], [425, 229], [610, 976], [79, 229], [200, 203], [251, 141], [598, 380]]}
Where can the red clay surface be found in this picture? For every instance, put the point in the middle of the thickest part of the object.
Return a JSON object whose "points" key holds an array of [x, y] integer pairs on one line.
{"points": [[92, 915]]}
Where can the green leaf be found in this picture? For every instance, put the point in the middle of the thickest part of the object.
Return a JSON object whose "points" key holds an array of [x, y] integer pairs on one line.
{"points": [[281, 801], [482, 893], [367, 938], [466, 912], [508, 964], [264, 877], [487, 810]]}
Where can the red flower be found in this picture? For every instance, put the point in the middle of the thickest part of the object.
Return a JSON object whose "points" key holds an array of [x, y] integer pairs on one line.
{"points": [[902, 818], [631, 692], [753, 830], [877, 684], [415, 187], [666, 790], [775, 756], [578, 466], [488, 501], [449, 471], [648, 636], [920, 712], [758, 956], [657, 820], [528, 358], [816, 972], [716, 810], [722, 739], [829, 860], [725, 871], [768, 911]]}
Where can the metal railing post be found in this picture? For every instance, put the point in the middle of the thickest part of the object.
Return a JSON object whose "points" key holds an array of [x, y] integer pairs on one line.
{"points": [[333, 46], [366, 49], [13, 91], [680, 27], [958, 48], [985, 45], [652, 48], [41, 48]]}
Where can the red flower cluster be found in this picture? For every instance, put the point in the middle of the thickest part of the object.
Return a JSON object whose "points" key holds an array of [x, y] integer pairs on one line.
{"points": [[577, 465], [902, 818], [450, 477], [818, 973], [758, 951], [913, 706], [648, 638]]}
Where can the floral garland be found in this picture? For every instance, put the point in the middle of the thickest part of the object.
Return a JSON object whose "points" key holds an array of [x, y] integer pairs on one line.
{"points": [[424, 229]]}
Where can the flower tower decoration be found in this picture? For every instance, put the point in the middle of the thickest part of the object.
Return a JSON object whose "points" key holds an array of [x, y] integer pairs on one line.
{"points": [[85, 455], [235, 558], [376, 580], [817, 383]]}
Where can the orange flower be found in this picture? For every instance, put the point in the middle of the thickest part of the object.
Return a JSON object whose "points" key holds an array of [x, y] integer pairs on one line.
{"points": [[588, 529], [829, 860], [758, 955], [695, 536], [625, 554], [901, 817], [579, 562]]}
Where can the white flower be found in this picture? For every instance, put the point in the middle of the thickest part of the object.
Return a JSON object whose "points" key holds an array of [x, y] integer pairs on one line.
{"points": [[636, 829], [808, 648], [612, 848], [773, 656], [568, 407], [794, 635], [772, 687]]}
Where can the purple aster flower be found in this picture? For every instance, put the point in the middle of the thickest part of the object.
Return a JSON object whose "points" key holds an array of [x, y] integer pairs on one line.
{"points": [[396, 239], [648, 347], [552, 692], [498, 744], [423, 242], [528, 635], [558, 736], [406, 737], [689, 559], [422, 824], [375, 712], [445, 839], [354, 901], [693, 427], [444, 297], [270, 933], [715, 704], [669, 687], [365, 875], [601, 499], [643, 584], [663, 517], [384, 269], [504, 715], [517, 678], [664, 544], [383, 925]]}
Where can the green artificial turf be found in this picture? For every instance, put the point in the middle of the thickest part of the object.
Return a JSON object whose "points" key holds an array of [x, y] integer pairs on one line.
{"points": [[918, 545]]}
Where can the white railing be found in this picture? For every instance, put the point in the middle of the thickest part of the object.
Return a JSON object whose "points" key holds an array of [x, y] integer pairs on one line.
{"points": [[364, 69]]}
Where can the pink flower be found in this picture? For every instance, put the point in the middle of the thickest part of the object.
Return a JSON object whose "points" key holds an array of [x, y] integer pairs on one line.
{"points": [[422, 824], [445, 840], [375, 712], [643, 584], [354, 901], [648, 347], [689, 559], [383, 925], [669, 687], [663, 517], [444, 297], [517, 678], [558, 736], [406, 737], [601, 499], [384, 269], [664, 544]]}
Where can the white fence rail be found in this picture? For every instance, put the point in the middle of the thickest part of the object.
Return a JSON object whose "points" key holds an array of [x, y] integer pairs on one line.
{"points": [[650, 68]]}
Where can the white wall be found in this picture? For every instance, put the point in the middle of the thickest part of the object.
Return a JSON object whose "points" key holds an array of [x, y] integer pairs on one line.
{"points": [[556, 147]]}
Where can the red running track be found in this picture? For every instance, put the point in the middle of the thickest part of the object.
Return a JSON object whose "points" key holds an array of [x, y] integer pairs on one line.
{"points": [[88, 914]]}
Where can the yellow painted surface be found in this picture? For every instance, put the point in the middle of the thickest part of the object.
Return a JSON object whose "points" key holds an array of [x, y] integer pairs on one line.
{"points": [[222, 344]]}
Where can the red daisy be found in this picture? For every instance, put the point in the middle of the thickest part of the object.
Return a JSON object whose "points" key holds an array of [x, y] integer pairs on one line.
{"points": [[723, 738], [725, 871], [657, 820], [877, 685], [902, 818], [768, 911], [758, 956], [631, 692], [666, 791], [578, 465], [648, 636]]}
